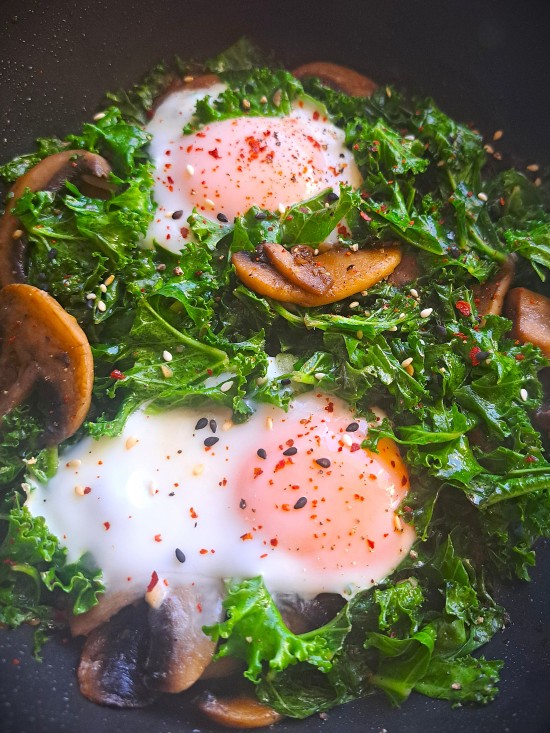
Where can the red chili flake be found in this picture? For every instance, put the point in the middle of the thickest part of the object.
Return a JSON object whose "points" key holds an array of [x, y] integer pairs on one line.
{"points": [[460, 335], [184, 231], [203, 551], [214, 153], [107, 525], [8, 561], [209, 372], [280, 464], [474, 355], [463, 307], [170, 180], [246, 536], [262, 556], [153, 582], [530, 459], [353, 447], [193, 513], [370, 543], [274, 542], [199, 607], [520, 357], [87, 489], [257, 472], [158, 538], [365, 216], [330, 407], [285, 507], [117, 374]]}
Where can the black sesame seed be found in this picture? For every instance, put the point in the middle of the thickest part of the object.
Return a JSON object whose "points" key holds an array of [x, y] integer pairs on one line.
{"points": [[202, 423], [209, 442], [332, 196], [353, 427], [285, 381], [222, 217], [180, 557], [482, 355], [213, 426], [290, 451], [242, 504], [172, 493], [300, 504], [440, 330], [323, 462], [177, 214], [261, 453], [52, 254], [261, 215], [454, 252]]}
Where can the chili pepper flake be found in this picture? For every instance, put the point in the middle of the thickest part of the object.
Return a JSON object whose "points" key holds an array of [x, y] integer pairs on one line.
{"points": [[158, 538], [154, 580], [246, 536], [117, 374], [463, 307], [107, 525]]}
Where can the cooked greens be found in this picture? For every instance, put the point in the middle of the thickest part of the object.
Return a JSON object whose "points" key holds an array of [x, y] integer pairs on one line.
{"points": [[462, 412]]}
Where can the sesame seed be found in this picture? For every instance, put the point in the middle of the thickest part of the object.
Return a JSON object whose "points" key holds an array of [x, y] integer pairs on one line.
{"points": [[153, 488], [210, 203], [300, 504], [246, 104], [213, 426], [261, 453], [414, 292], [523, 394], [18, 233], [290, 451], [269, 423], [319, 375], [456, 686], [355, 304], [110, 280], [397, 523], [167, 356], [79, 490], [212, 440], [537, 181], [347, 440], [315, 252], [103, 288], [323, 462], [98, 116], [353, 427], [402, 315], [482, 196], [277, 97], [261, 381], [75, 463], [190, 170], [198, 469], [498, 134], [131, 442], [393, 328], [177, 214], [226, 386], [161, 267], [222, 217], [489, 149], [91, 296], [282, 208], [101, 306], [354, 247], [406, 362], [533, 167], [263, 100], [188, 79], [426, 313], [242, 504], [202, 423], [180, 557], [166, 371]]}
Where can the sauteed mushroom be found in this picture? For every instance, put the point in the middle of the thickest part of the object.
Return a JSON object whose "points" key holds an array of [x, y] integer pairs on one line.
{"points": [[237, 712], [530, 314], [48, 175], [489, 296], [44, 348], [351, 272], [338, 77]]}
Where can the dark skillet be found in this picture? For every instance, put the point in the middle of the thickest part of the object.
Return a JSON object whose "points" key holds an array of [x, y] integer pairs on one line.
{"points": [[483, 61]]}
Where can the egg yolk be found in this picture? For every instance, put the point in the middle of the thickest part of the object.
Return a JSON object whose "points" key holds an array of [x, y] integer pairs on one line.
{"points": [[320, 496]]}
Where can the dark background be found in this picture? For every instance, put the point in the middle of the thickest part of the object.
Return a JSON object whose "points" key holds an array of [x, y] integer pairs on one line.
{"points": [[484, 61]]}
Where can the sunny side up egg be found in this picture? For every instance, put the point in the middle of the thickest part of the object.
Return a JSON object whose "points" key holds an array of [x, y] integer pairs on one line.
{"points": [[189, 496], [226, 167]]}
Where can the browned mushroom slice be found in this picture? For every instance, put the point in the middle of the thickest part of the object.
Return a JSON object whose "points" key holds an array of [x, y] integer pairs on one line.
{"points": [[407, 271], [203, 81], [223, 667], [107, 607], [112, 660], [302, 615], [530, 315], [43, 347], [179, 651], [50, 174], [237, 712], [299, 267], [338, 77], [351, 273], [489, 296]]}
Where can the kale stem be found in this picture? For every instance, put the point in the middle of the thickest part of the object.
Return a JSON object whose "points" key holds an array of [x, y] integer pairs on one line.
{"points": [[482, 246]]}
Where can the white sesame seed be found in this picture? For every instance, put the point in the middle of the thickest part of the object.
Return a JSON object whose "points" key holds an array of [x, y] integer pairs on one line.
{"points": [[319, 375], [98, 116], [392, 328], [402, 315], [246, 104], [414, 292], [315, 252], [261, 381], [18, 233], [269, 423], [347, 440], [28, 461], [228, 424], [75, 463], [440, 163], [282, 208], [426, 313], [498, 134], [190, 170], [188, 79], [110, 280], [103, 288], [397, 523], [101, 306], [456, 686], [166, 371], [534, 167], [79, 490], [409, 137], [210, 203], [406, 362], [523, 394], [91, 296], [166, 355], [263, 100], [198, 469], [482, 196], [226, 386], [155, 597], [131, 442], [355, 304]]}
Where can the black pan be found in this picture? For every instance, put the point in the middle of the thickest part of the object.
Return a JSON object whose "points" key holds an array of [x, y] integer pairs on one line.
{"points": [[485, 61]]}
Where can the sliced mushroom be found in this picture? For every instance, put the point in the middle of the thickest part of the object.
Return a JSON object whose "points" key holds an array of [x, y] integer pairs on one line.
{"points": [[302, 615], [179, 651], [112, 661], [338, 77], [48, 175], [299, 267], [107, 607], [237, 712], [530, 315], [42, 347], [407, 271], [489, 296], [203, 81], [351, 273]]}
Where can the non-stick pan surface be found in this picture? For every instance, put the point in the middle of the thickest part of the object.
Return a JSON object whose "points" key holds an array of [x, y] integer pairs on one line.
{"points": [[485, 61]]}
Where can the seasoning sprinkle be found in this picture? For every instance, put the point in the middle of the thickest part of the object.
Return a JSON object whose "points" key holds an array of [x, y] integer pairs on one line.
{"points": [[210, 203], [190, 170], [212, 440], [103, 288], [109, 281], [91, 296], [213, 426], [226, 386], [167, 356], [523, 394], [300, 504], [482, 196], [426, 313], [353, 427], [101, 306], [355, 304], [202, 423], [18, 233], [269, 423], [98, 116], [180, 557], [414, 293], [177, 214], [261, 453], [534, 167], [406, 362], [319, 375], [323, 462], [222, 217], [166, 371], [498, 134], [198, 470], [290, 451], [347, 440], [242, 504], [131, 442]]}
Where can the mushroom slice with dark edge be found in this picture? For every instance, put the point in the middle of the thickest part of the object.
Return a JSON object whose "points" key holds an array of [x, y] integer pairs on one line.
{"points": [[351, 272], [338, 77], [530, 316], [237, 712], [107, 606], [489, 296], [112, 661], [48, 175], [43, 349], [179, 650], [299, 267]]}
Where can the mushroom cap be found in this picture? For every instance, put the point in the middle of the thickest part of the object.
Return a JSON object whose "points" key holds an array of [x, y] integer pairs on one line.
{"points": [[338, 77], [42, 346]]}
